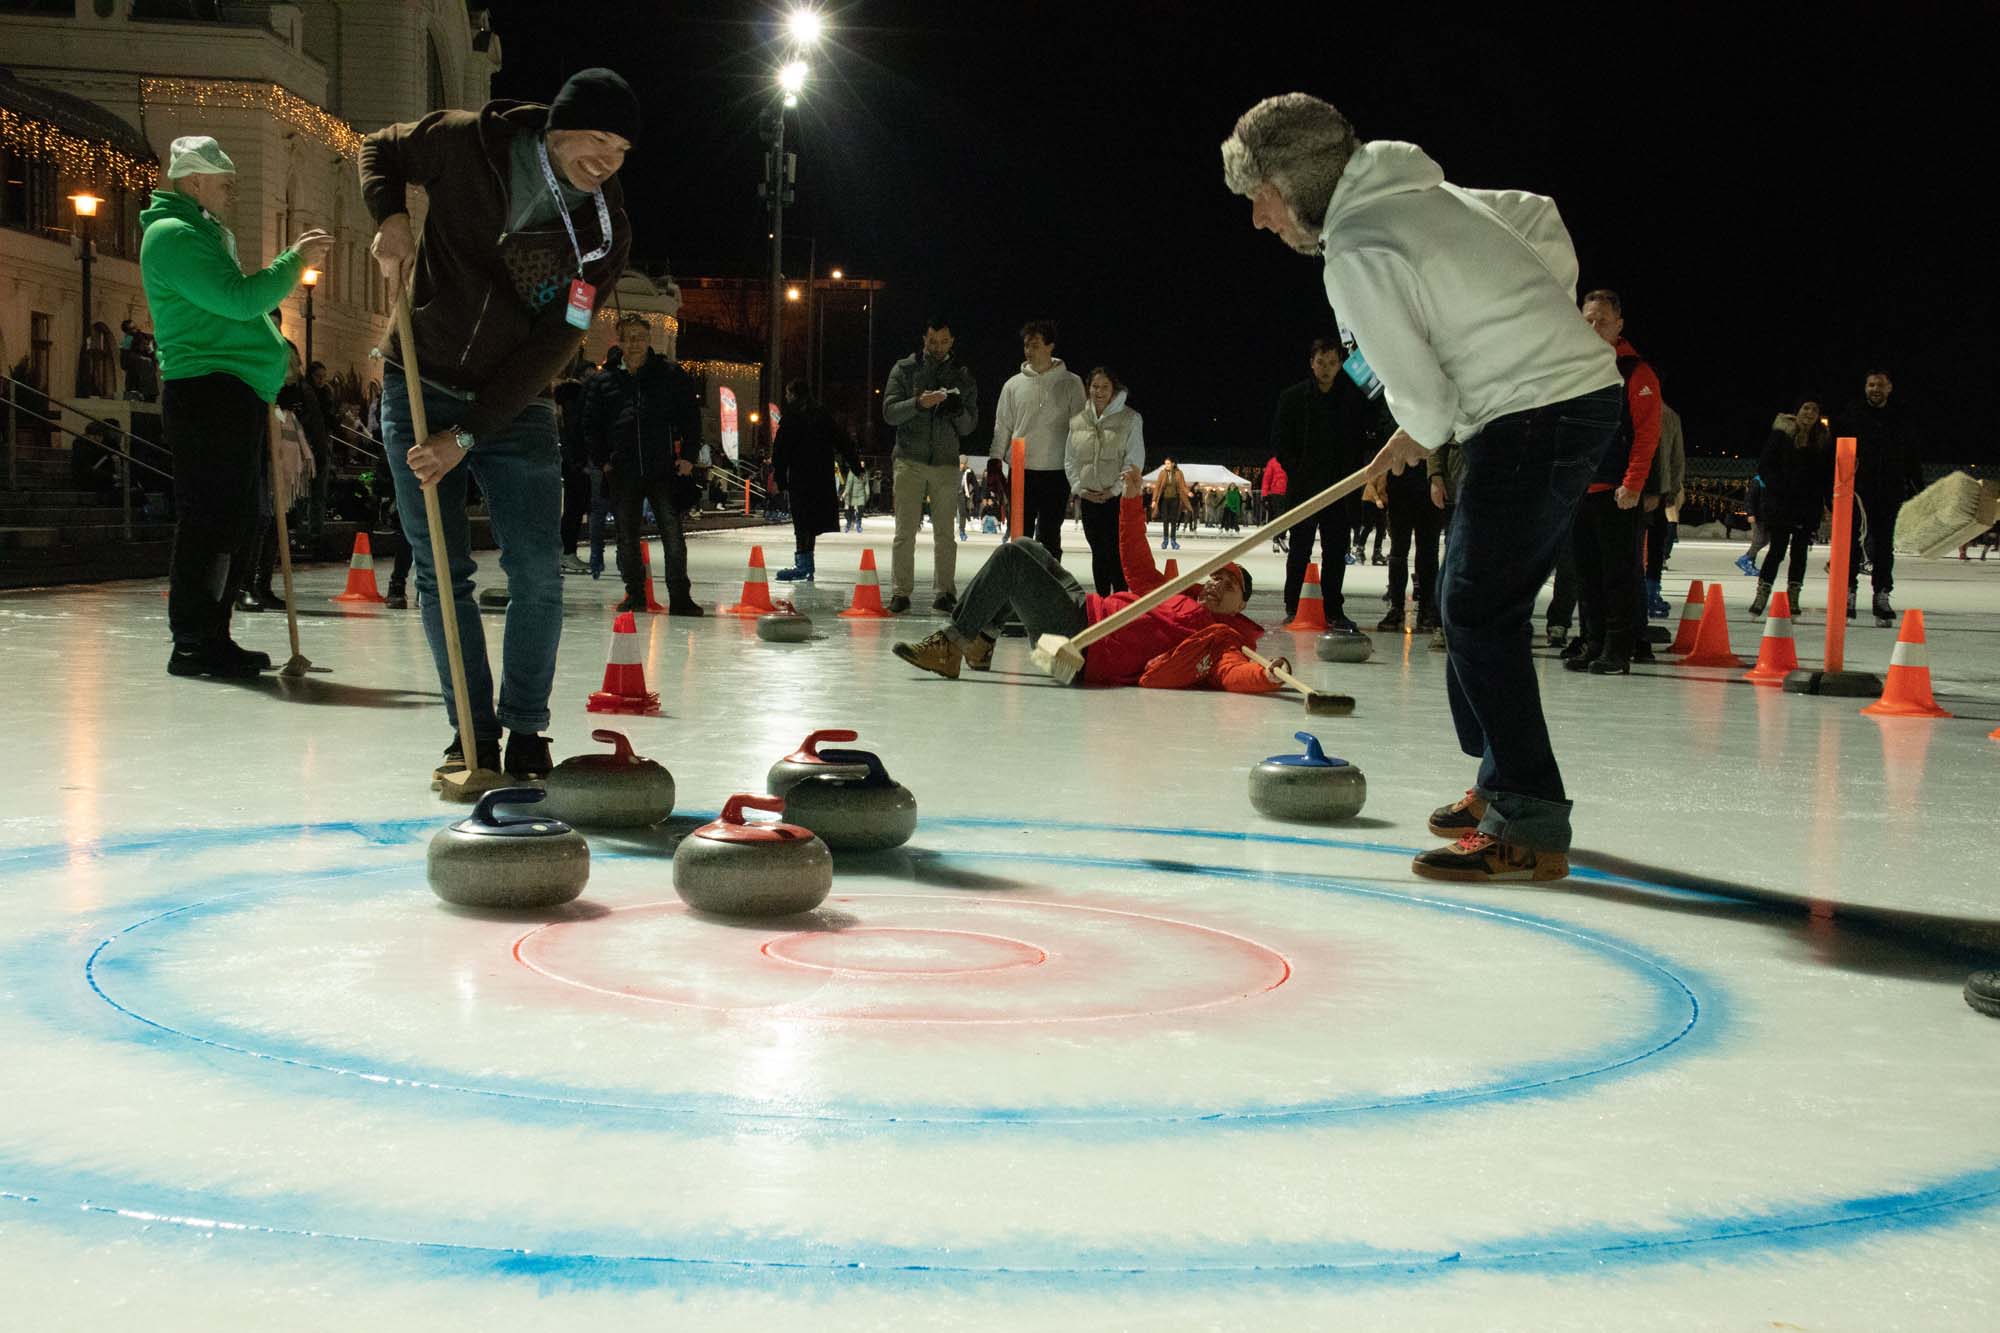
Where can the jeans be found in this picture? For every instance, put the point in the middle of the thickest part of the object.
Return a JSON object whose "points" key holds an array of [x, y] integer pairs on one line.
{"points": [[1524, 474], [520, 474], [1100, 529], [1331, 525], [1562, 598], [629, 495], [1607, 573], [1799, 540], [1881, 508], [915, 483], [1023, 577], [1045, 495], [219, 431]]}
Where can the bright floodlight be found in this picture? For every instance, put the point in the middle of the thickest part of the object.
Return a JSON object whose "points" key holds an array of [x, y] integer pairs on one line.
{"points": [[792, 78], [805, 26]]}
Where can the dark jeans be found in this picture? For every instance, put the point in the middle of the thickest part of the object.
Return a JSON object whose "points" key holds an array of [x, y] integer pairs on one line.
{"points": [[1045, 495], [1881, 510], [1799, 540], [1370, 520], [628, 494], [1415, 519], [1170, 522], [1523, 476], [1562, 598], [1100, 529], [1331, 523], [218, 429], [1607, 572], [1023, 577], [576, 505]]}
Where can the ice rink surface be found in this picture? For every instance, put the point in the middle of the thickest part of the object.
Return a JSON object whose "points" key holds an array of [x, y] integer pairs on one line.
{"points": [[1100, 1049]]}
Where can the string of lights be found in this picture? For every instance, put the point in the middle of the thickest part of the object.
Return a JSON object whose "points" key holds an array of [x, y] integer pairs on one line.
{"points": [[77, 159], [725, 370], [236, 94]]}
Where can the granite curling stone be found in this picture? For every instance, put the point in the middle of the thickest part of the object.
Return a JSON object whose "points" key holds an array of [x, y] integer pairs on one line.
{"points": [[1343, 646], [803, 762], [1982, 992], [784, 627], [1313, 787], [493, 597], [853, 804], [616, 790], [507, 861], [734, 868]]}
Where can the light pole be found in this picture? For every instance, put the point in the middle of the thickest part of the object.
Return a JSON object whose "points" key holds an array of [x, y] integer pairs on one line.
{"points": [[85, 203], [803, 29], [309, 280]]}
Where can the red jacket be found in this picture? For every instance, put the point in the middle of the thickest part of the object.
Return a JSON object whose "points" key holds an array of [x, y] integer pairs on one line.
{"points": [[1274, 478], [1642, 399], [1122, 658]]}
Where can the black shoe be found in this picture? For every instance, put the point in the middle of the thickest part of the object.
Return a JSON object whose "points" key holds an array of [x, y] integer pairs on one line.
{"points": [[454, 756], [528, 756], [248, 601], [898, 604], [1579, 648], [1610, 666], [396, 601], [946, 603], [1427, 621], [249, 656], [1392, 621], [271, 598], [632, 602], [683, 606], [1582, 658], [1643, 652], [213, 660], [1558, 637]]}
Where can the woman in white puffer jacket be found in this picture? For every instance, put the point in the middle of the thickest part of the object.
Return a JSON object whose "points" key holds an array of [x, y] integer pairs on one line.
{"points": [[1105, 438]]}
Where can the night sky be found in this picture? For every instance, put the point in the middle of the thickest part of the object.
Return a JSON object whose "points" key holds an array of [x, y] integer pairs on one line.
{"points": [[1781, 206]]}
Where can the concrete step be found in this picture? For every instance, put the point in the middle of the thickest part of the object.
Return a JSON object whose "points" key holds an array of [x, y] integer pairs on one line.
{"points": [[29, 516]]}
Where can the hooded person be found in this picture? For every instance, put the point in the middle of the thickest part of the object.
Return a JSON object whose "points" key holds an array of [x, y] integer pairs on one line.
{"points": [[1036, 406], [525, 237], [223, 362], [1105, 438], [808, 443]]}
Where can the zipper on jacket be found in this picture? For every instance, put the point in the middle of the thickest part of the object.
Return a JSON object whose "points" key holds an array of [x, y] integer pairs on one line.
{"points": [[473, 337]]}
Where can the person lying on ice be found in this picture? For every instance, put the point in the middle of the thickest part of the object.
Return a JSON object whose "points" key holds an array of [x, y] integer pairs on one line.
{"points": [[1194, 640]]}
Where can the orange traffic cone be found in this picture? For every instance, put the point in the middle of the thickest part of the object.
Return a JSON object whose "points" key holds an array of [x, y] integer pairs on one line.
{"points": [[1173, 570], [646, 563], [756, 590], [1711, 640], [867, 603], [361, 574], [1312, 611], [624, 677], [1907, 691], [1690, 620], [1777, 656]]}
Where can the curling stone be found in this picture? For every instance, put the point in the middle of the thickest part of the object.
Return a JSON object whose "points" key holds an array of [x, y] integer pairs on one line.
{"points": [[784, 627], [852, 804], [493, 597], [1312, 786], [1982, 992], [616, 790], [802, 762], [496, 860], [1341, 646], [734, 868]]}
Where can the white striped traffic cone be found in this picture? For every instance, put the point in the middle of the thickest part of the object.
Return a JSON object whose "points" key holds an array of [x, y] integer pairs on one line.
{"points": [[1907, 691]]}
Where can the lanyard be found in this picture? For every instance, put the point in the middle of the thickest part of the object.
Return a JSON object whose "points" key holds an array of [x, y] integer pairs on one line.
{"points": [[603, 213]]}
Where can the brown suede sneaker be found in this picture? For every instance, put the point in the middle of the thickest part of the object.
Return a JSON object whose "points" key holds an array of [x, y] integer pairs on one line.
{"points": [[1478, 858], [1459, 818], [936, 653], [977, 652]]}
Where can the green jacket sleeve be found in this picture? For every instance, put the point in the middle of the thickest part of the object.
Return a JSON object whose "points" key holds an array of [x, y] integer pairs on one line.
{"points": [[198, 269]]}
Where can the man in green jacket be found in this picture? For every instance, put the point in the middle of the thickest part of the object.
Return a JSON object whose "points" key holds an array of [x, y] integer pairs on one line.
{"points": [[223, 362]]}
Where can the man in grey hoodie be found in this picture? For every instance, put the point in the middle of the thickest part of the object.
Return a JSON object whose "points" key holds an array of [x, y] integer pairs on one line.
{"points": [[1036, 406], [933, 404]]}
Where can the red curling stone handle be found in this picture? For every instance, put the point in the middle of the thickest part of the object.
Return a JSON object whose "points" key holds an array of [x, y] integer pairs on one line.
{"points": [[621, 748], [732, 809]]}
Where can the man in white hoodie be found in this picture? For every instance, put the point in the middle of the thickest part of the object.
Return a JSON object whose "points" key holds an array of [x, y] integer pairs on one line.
{"points": [[1037, 405], [1465, 303]]}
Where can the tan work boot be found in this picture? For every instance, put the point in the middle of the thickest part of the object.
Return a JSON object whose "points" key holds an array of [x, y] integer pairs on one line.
{"points": [[977, 652], [936, 653]]}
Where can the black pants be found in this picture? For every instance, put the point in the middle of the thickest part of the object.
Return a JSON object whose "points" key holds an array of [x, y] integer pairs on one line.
{"points": [[1416, 520], [1331, 523], [1881, 508], [1562, 598], [805, 533], [1799, 541], [1100, 529], [576, 506], [1022, 577], [218, 430], [1371, 520], [628, 494], [1044, 495], [265, 561], [1659, 536], [1607, 572]]}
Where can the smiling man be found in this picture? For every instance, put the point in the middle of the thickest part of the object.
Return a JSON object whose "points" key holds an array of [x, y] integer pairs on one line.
{"points": [[524, 239]]}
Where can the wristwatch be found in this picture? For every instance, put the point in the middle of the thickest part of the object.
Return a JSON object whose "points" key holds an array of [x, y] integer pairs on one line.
{"points": [[464, 439]]}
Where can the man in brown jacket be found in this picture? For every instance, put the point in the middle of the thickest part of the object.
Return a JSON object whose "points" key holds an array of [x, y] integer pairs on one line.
{"points": [[524, 238]]}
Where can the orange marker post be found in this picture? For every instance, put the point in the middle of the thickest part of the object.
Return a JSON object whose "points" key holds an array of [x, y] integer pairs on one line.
{"points": [[1018, 481], [1834, 679], [746, 497]]}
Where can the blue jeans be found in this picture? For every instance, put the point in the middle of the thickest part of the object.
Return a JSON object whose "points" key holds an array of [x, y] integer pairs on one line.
{"points": [[1524, 474], [520, 473]]}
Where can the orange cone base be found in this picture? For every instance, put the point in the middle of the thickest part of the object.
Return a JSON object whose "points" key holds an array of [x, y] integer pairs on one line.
{"points": [[1904, 709], [646, 705], [376, 598], [866, 612], [746, 610]]}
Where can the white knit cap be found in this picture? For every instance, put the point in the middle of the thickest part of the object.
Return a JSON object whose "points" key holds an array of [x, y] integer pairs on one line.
{"points": [[197, 155]]}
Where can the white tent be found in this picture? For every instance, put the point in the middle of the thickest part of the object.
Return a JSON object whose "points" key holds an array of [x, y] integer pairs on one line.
{"points": [[1204, 474]]}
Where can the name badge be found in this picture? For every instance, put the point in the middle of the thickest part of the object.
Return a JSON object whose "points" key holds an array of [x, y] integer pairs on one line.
{"points": [[581, 294]]}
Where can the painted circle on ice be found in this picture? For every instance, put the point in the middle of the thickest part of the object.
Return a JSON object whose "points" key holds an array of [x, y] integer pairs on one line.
{"points": [[912, 958]]}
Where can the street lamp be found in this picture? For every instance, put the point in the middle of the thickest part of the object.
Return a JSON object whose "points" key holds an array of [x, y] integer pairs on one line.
{"points": [[805, 27], [85, 203], [310, 280]]}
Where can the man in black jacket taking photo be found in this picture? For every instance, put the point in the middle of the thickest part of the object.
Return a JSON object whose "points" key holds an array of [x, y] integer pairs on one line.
{"points": [[643, 424]]}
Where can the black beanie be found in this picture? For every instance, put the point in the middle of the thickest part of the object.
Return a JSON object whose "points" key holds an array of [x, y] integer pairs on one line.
{"points": [[597, 99]]}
